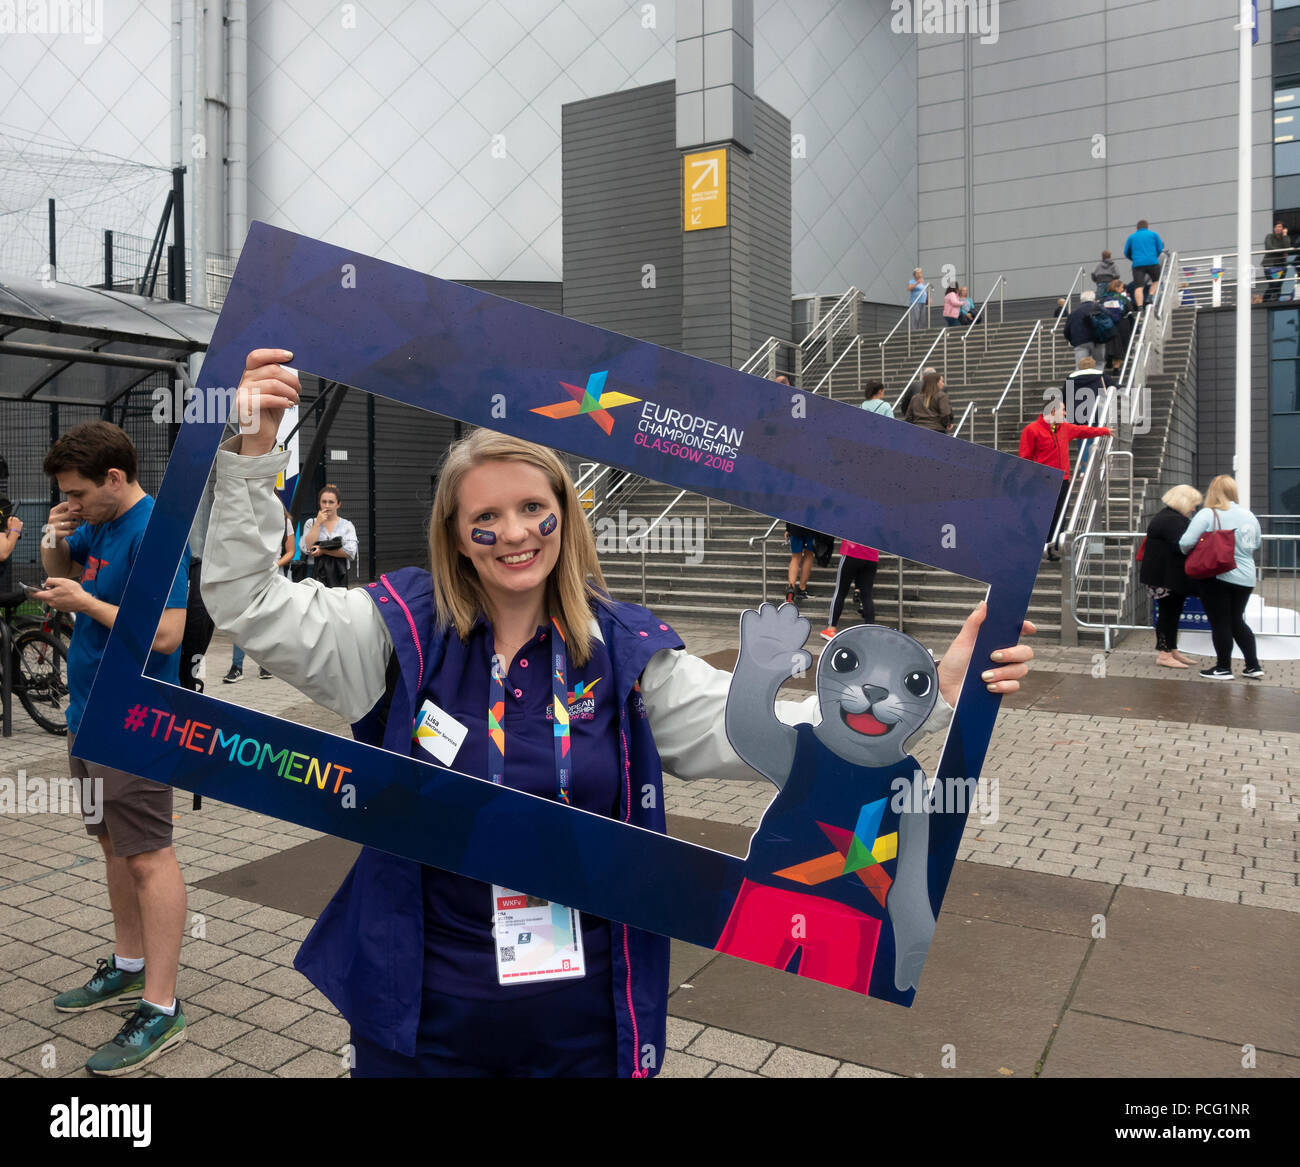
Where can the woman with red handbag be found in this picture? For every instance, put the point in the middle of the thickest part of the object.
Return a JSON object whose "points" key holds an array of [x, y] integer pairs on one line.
{"points": [[1220, 541], [1162, 571]]}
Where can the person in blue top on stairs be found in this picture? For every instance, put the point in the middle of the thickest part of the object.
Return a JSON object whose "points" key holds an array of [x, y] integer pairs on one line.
{"points": [[1143, 250], [404, 951]]}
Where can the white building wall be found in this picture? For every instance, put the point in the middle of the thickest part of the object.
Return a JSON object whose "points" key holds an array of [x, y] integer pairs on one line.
{"points": [[429, 134], [102, 90], [848, 84]]}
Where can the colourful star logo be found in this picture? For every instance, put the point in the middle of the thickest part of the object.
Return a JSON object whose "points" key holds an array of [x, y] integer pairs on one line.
{"points": [[583, 689], [858, 852], [592, 400]]}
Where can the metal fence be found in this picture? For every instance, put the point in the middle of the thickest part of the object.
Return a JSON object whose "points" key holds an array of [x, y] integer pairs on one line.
{"points": [[1110, 598]]}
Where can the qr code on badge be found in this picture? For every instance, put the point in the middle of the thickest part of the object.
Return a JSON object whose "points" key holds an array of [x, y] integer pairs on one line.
{"points": [[507, 953]]}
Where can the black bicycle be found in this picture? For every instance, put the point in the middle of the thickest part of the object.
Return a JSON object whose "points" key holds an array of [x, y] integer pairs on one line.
{"points": [[37, 666]]}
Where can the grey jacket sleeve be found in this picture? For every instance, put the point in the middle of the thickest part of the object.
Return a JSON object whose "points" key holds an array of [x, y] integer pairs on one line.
{"points": [[686, 699], [330, 643]]}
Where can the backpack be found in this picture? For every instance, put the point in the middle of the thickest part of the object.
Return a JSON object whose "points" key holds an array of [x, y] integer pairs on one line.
{"points": [[1101, 326]]}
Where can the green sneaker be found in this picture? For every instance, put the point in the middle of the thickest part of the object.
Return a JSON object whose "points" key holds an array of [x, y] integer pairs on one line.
{"points": [[147, 1033], [108, 986]]}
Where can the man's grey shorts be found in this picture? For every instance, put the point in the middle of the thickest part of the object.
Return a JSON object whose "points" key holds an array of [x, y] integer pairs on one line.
{"points": [[137, 812]]}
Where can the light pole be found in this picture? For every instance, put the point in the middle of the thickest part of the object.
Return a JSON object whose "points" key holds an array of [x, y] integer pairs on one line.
{"points": [[1241, 459]]}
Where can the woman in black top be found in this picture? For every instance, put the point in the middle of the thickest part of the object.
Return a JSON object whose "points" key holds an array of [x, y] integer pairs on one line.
{"points": [[1163, 571]]}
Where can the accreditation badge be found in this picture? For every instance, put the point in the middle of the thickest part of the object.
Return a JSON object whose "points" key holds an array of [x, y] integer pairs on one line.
{"points": [[535, 939], [438, 732]]}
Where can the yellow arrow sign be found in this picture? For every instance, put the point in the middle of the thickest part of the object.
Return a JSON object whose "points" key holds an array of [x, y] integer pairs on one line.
{"points": [[704, 190]]}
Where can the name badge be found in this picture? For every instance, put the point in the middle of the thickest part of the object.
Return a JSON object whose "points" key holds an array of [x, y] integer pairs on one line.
{"points": [[535, 939], [438, 732]]}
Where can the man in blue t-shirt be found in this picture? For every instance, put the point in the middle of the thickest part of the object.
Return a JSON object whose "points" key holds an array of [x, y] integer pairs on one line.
{"points": [[88, 550], [1143, 249]]}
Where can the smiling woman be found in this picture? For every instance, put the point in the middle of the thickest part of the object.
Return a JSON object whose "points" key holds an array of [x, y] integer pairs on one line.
{"points": [[535, 563], [511, 663]]}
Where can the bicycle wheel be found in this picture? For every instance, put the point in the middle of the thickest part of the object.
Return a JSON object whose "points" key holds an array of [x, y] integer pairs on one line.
{"points": [[41, 679]]}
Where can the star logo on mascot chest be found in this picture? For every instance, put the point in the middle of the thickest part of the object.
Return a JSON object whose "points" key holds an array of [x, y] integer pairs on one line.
{"points": [[861, 852]]}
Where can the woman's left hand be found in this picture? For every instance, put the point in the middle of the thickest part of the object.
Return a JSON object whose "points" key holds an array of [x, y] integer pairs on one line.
{"points": [[1009, 664]]}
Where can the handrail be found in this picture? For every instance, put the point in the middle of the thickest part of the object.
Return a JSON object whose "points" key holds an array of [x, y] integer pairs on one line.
{"points": [[644, 538], [849, 297], [943, 336], [1035, 332], [970, 411], [1220, 272], [855, 343], [820, 340], [1086, 487], [906, 316], [762, 540], [1059, 322], [1277, 620], [1000, 282], [1069, 295], [766, 352]]}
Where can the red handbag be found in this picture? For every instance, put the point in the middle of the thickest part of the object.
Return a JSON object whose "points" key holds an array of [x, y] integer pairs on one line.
{"points": [[1142, 550], [1214, 553]]}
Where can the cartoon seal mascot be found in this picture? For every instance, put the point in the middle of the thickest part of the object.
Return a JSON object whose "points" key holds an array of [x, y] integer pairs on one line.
{"points": [[835, 883]]}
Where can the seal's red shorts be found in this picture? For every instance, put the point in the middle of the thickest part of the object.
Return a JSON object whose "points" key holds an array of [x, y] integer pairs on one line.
{"points": [[836, 943]]}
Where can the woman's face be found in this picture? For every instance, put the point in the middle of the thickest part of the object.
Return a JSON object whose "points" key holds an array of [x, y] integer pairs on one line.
{"points": [[508, 525], [329, 505]]}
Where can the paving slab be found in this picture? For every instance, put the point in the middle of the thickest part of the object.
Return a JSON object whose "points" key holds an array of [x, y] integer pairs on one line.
{"points": [[1221, 971], [1188, 700], [1054, 903], [300, 880], [991, 990], [1088, 1046]]}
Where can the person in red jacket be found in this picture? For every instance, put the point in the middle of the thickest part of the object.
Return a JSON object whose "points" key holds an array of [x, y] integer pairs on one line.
{"points": [[1047, 440]]}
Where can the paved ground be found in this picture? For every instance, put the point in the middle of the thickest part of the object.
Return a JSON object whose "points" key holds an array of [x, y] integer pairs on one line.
{"points": [[1126, 911]]}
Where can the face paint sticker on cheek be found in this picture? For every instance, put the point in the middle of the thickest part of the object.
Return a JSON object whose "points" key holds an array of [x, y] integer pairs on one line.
{"points": [[547, 525], [478, 535]]}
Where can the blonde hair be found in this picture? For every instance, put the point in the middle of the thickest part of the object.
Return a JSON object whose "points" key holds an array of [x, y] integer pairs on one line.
{"points": [[575, 583], [1221, 492], [1183, 498]]}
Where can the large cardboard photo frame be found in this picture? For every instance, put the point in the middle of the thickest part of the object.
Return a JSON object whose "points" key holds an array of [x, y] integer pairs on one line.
{"points": [[609, 398]]}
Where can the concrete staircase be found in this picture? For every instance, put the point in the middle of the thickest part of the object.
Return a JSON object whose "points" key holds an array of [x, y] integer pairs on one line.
{"points": [[728, 575]]}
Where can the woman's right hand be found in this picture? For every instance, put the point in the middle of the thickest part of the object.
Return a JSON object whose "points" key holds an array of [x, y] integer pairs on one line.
{"points": [[266, 390]]}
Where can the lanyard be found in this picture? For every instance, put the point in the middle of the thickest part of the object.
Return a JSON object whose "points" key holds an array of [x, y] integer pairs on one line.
{"points": [[559, 718]]}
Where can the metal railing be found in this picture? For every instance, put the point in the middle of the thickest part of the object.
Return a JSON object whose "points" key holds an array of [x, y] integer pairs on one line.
{"points": [[1108, 556], [942, 338], [967, 414], [1061, 316], [763, 361], [820, 340], [855, 346], [1091, 486], [999, 286], [818, 343], [1210, 281], [1035, 334], [906, 318], [763, 540]]}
